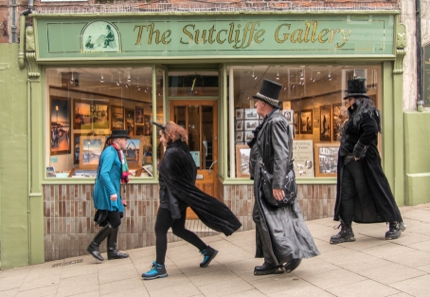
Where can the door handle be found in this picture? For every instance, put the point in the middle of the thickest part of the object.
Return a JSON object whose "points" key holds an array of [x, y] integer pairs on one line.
{"points": [[210, 167]]}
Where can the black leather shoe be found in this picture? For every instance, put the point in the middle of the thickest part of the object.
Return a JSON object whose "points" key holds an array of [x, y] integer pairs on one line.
{"points": [[93, 249], [293, 264], [113, 253], [266, 268], [395, 230]]}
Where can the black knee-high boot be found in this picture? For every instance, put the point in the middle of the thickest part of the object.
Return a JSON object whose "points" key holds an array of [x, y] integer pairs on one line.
{"points": [[112, 252], [93, 248]]}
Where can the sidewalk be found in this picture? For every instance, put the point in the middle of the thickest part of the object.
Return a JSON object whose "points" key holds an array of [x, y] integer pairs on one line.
{"points": [[369, 267]]}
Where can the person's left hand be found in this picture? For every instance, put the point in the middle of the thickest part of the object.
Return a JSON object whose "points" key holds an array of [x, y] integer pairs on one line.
{"points": [[356, 159], [278, 194]]}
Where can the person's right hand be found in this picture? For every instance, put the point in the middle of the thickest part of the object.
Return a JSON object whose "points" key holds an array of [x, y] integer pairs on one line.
{"points": [[113, 197]]}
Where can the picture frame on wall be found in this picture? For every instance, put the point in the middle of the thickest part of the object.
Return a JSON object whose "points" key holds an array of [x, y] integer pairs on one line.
{"points": [[296, 122], [242, 160], [147, 127], [251, 124], [139, 115], [239, 125], [140, 130], [133, 152], [129, 120], [325, 123], [326, 155], [117, 117], [90, 114], [306, 121], [303, 152], [289, 115], [251, 114], [100, 115], [240, 114], [60, 142], [239, 136], [248, 136], [90, 149]]}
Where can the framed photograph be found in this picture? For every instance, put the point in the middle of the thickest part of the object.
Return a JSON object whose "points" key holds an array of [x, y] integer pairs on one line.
{"points": [[325, 123], [117, 117], [50, 172], [147, 127], [289, 115], [90, 149], [306, 122], [60, 126], [133, 152], [100, 115], [240, 136], [242, 160], [140, 130], [339, 117], [129, 121], [296, 122], [239, 125], [139, 115], [248, 136], [251, 124], [76, 147], [240, 114], [90, 114], [326, 159], [76, 173], [251, 114], [303, 153]]}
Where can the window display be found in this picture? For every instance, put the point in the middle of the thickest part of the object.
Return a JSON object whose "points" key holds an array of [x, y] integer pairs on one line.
{"points": [[86, 104], [311, 100]]}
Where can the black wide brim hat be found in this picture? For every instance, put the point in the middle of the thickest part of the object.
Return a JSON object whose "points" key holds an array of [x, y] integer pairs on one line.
{"points": [[119, 134], [269, 92], [356, 88]]}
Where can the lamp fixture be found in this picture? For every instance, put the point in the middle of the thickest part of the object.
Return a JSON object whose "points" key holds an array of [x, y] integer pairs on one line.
{"points": [[329, 73], [253, 74], [277, 73], [102, 80], [118, 83], [72, 79]]}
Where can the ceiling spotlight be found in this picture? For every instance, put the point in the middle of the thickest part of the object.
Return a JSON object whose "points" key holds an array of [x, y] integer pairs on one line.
{"points": [[138, 88], [253, 74], [285, 87], [129, 78], [119, 79], [277, 73], [72, 79], [329, 73], [102, 80], [126, 85], [146, 90]]}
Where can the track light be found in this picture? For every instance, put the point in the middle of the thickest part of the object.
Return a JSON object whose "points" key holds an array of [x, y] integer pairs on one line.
{"points": [[329, 73], [253, 75], [102, 80], [72, 79], [277, 73], [119, 79]]}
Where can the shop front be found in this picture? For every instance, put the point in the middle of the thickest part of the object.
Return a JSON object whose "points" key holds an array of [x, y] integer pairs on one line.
{"points": [[101, 73]]}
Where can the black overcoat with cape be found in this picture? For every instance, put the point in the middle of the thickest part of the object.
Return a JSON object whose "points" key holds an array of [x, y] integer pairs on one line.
{"points": [[360, 138], [281, 233], [178, 172]]}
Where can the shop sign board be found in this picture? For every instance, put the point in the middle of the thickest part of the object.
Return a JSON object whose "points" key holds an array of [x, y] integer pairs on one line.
{"points": [[217, 36]]}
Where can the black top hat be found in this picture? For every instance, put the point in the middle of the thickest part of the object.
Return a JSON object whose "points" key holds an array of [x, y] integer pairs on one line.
{"points": [[119, 134], [356, 88], [269, 92]]}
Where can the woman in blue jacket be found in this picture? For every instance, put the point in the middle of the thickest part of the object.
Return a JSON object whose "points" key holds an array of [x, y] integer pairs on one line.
{"points": [[111, 172]]}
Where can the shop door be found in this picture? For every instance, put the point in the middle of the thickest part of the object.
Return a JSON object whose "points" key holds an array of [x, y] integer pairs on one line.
{"points": [[200, 119]]}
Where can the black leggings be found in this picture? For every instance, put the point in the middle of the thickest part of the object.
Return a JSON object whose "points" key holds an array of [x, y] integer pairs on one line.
{"points": [[163, 223]]}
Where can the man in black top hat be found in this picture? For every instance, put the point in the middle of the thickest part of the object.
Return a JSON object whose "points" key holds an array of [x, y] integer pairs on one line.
{"points": [[272, 144], [363, 192]]}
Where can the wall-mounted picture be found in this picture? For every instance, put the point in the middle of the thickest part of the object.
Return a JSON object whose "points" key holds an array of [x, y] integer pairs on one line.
{"points": [[147, 127], [326, 159], [83, 173], [76, 147], [240, 114], [239, 125], [140, 130], [303, 153], [134, 152], [90, 114], [251, 114], [239, 136], [90, 149], [289, 115], [60, 126], [248, 136], [306, 123], [325, 123], [242, 160], [340, 116], [129, 120], [117, 117], [251, 124], [296, 122], [139, 115]]}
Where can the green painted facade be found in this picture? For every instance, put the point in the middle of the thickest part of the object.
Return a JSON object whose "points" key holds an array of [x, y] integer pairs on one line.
{"points": [[405, 134]]}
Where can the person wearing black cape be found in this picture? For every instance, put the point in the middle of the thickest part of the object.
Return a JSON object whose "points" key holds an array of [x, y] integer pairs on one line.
{"points": [[282, 237], [177, 177], [363, 192]]}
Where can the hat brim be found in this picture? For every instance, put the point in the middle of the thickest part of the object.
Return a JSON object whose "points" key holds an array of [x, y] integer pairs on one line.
{"points": [[119, 136], [355, 96], [263, 99]]}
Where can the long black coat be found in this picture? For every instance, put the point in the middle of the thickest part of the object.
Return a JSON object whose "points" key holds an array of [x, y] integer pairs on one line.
{"points": [[281, 233], [361, 140], [178, 175]]}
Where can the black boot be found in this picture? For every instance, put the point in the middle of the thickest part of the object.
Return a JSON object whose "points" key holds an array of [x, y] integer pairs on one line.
{"points": [[93, 248], [208, 255], [293, 264], [345, 234], [112, 252], [395, 230], [266, 268]]}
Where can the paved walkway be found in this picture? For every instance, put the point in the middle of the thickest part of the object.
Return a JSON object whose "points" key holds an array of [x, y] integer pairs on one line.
{"points": [[369, 267]]}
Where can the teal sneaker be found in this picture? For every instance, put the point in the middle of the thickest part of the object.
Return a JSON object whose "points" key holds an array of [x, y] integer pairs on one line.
{"points": [[157, 271], [208, 255]]}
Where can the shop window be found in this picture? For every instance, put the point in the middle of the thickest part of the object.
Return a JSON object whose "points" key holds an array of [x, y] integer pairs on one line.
{"points": [[84, 106], [311, 100]]}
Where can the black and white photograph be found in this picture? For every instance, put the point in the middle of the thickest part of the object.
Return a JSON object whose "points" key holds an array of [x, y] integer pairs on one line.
{"points": [[240, 114], [240, 136], [242, 160], [239, 125], [289, 115], [60, 126], [306, 124], [248, 136], [326, 159], [251, 114], [85, 173], [251, 124]]}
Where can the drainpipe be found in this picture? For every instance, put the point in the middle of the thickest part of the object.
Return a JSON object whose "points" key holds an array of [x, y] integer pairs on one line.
{"points": [[21, 58], [420, 101]]}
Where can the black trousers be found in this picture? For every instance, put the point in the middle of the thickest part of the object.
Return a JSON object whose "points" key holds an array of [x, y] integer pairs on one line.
{"points": [[353, 186], [162, 224]]}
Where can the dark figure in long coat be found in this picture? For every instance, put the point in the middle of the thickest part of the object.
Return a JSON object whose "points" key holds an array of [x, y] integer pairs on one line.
{"points": [[177, 177], [282, 236], [363, 192]]}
